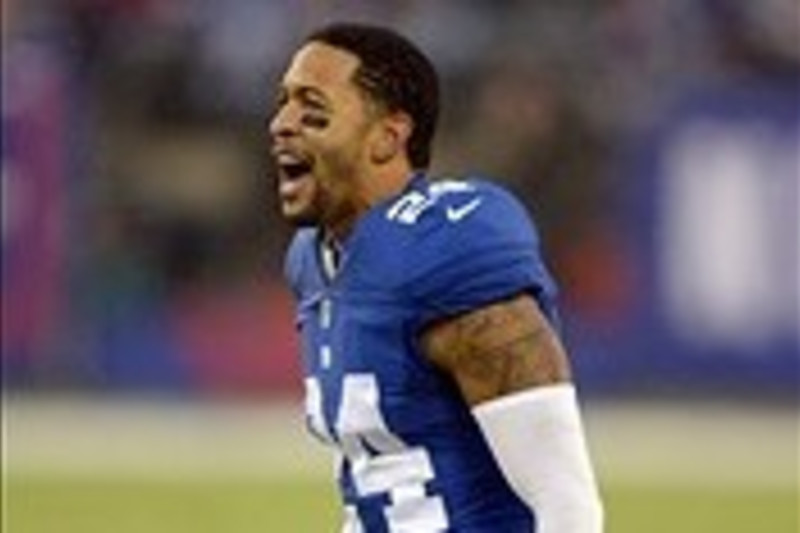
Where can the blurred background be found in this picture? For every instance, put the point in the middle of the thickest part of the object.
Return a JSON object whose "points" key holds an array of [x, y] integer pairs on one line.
{"points": [[656, 143]]}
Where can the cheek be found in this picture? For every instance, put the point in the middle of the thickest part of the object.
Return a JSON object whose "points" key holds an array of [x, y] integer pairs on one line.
{"points": [[341, 143], [337, 163], [339, 153]]}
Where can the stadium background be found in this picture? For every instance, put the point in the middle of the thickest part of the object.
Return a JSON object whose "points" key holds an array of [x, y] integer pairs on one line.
{"points": [[149, 378]]}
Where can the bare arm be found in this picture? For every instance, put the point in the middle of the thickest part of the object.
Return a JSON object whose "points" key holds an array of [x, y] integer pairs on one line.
{"points": [[536, 436], [505, 347]]}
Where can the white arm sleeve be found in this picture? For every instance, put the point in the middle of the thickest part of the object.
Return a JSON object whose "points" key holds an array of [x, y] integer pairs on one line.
{"points": [[537, 439]]}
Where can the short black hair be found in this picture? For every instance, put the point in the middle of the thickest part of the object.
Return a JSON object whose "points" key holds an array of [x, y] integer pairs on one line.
{"points": [[396, 73]]}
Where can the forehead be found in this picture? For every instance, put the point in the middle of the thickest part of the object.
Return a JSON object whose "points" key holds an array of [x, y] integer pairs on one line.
{"points": [[321, 66]]}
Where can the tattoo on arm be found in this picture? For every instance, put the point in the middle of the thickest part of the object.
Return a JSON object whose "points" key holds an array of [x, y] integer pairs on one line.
{"points": [[497, 350]]}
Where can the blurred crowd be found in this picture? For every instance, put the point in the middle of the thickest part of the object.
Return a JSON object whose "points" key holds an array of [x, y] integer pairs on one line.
{"points": [[138, 215]]}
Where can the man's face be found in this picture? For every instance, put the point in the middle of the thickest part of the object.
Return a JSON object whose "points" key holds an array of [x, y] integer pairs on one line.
{"points": [[320, 134]]}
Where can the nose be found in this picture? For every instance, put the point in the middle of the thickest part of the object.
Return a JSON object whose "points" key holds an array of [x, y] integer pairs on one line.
{"points": [[283, 123]]}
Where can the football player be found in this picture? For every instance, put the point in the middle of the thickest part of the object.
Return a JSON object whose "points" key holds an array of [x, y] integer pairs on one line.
{"points": [[427, 316]]}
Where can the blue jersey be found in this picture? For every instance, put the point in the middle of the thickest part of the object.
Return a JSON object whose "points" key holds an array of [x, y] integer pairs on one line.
{"points": [[413, 458]]}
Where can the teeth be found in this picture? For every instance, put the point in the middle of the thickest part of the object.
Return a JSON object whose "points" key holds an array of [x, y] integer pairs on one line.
{"points": [[288, 159], [291, 163]]}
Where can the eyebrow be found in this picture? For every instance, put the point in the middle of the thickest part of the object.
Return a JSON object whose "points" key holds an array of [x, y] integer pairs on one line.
{"points": [[305, 92]]}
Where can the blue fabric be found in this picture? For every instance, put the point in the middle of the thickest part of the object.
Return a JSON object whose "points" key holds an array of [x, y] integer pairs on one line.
{"points": [[438, 249]]}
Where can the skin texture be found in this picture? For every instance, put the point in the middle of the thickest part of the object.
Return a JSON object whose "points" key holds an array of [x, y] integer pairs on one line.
{"points": [[356, 149], [357, 154], [497, 350]]}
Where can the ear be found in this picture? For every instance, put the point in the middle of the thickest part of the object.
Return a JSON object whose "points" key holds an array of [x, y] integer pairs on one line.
{"points": [[391, 138]]}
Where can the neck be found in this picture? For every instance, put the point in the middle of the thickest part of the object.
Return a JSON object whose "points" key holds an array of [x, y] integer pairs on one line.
{"points": [[381, 184]]}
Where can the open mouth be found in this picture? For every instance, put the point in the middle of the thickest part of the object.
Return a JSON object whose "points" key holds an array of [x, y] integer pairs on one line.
{"points": [[293, 167], [297, 170]]}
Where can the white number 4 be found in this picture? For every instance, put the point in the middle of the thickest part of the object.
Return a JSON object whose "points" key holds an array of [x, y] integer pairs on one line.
{"points": [[380, 461]]}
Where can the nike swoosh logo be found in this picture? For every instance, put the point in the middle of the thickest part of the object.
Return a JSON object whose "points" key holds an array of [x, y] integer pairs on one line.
{"points": [[454, 214]]}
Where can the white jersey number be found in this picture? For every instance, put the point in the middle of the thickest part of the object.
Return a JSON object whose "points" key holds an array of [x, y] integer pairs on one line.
{"points": [[380, 462], [412, 205]]}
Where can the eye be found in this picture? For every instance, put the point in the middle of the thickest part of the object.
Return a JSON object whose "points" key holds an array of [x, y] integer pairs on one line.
{"points": [[316, 120], [280, 100], [315, 113]]}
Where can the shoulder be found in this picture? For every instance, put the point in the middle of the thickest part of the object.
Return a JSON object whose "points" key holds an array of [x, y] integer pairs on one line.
{"points": [[451, 230], [470, 212]]}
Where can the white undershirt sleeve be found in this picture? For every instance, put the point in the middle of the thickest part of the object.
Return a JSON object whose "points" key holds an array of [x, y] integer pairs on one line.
{"points": [[538, 441]]}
